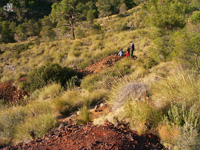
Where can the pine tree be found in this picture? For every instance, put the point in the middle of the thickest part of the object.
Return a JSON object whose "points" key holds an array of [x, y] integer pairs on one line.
{"points": [[68, 10]]}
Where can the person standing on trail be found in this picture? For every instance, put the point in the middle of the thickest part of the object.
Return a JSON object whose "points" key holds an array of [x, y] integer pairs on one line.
{"points": [[132, 48], [127, 51], [121, 52]]}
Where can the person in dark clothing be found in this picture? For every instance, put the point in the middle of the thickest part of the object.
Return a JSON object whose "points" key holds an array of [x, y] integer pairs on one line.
{"points": [[127, 52], [132, 48]]}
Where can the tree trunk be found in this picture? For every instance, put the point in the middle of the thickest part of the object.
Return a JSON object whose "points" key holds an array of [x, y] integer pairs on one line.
{"points": [[72, 30]]}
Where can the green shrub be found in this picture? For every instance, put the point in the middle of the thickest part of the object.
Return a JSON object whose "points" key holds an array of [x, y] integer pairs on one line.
{"points": [[188, 140], [188, 122], [42, 76], [183, 116]]}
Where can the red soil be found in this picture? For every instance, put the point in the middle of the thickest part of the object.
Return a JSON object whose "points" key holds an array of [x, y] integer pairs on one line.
{"points": [[105, 63], [90, 137], [10, 94]]}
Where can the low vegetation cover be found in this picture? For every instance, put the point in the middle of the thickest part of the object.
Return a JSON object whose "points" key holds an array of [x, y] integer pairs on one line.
{"points": [[157, 92]]}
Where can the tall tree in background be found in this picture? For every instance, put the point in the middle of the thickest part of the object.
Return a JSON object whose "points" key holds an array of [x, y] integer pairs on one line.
{"points": [[107, 7], [110, 7], [47, 31], [167, 14], [69, 11], [6, 33]]}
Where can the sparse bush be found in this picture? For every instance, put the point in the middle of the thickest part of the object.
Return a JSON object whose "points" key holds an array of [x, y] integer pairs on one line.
{"points": [[189, 140], [186, 123], [22, 123], [85, 29], [71, 83], [36, 108], [80, 32], [182, 116], [71, 100]]}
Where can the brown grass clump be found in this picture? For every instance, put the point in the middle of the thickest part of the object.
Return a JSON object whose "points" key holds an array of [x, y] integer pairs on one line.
{"points": [[169, 134]]}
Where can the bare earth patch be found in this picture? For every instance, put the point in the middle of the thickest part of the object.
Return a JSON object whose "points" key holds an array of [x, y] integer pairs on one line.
{"points": [[98, 66], [10, 94], [89, 137]]}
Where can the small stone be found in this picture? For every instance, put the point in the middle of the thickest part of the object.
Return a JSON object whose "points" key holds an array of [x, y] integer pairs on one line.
{"points": [[61, 126], [103, 104]]}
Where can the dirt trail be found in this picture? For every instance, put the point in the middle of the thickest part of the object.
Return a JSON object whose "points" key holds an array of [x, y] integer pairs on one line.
{"points": [[98, 66]]}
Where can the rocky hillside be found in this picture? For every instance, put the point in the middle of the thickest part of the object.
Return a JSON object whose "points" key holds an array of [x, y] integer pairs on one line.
{"points": [[54, 79]]}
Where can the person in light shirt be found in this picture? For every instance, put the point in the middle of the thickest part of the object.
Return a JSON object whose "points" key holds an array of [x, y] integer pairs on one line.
{"points": [[121, 52]]}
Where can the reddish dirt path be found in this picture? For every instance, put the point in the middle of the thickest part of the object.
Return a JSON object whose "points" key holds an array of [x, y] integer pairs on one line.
{"points": [[90, 137], [98, 66]]}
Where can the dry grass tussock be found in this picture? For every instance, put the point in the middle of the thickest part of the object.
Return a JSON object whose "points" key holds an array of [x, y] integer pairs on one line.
{"points": [[125, 89], [134, 90], [168, 133], [180, 86]]}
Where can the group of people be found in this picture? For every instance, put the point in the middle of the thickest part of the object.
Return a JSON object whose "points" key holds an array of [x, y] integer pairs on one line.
{"points": [[129, 50]]}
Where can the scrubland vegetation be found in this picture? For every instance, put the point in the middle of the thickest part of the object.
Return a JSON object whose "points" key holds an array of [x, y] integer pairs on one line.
{"points": [[158, 92]]}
